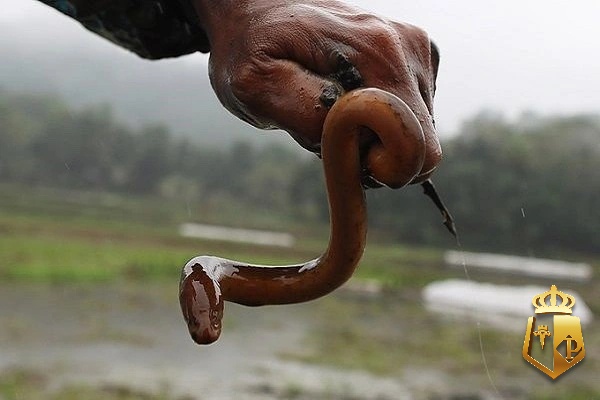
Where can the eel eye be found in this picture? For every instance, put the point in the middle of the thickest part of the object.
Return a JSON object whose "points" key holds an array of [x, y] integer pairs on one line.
{"points": [[215, 318]]}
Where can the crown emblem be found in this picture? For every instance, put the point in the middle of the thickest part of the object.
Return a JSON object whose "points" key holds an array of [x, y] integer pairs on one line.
{"points": [[542, 306]]}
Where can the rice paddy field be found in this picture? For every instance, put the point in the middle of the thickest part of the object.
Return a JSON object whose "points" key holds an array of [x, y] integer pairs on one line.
{"points": [[88, 310]]}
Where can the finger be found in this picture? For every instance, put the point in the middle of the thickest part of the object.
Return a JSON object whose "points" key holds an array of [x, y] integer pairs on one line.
{"points": [[422, 59], [432, 145]]}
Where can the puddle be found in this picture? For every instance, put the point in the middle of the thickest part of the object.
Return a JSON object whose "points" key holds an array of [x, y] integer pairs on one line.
{"points": [[521, 266], [502, 306]]}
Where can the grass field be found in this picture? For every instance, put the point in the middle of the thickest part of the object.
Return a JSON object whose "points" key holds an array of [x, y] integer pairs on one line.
{"points": [[63, 236]]}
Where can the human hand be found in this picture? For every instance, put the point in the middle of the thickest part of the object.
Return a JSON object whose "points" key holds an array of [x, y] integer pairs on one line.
{"points": [[282, 64]]}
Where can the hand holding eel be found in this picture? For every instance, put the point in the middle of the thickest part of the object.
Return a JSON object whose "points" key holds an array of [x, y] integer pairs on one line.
{"points": [[395, 160]]}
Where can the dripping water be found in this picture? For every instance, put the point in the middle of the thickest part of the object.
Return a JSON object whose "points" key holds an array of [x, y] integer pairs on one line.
{"points": [[188, 208], [478, 323], [430, 191]]}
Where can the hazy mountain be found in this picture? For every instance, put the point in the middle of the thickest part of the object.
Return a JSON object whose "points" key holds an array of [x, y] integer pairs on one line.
{"points": [[90, 70]]}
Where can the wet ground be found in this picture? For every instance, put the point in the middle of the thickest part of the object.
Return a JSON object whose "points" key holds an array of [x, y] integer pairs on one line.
{"points": [[132, 336]]}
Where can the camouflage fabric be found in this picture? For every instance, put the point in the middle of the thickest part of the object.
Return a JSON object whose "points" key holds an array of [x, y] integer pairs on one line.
{"points": [[152, 29]]}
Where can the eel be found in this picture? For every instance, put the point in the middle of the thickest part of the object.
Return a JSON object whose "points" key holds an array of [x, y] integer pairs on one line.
{"points": [[394, 160]]}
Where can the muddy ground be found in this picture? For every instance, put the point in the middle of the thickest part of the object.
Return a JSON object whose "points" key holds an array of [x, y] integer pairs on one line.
{"points": [[132, 337]]}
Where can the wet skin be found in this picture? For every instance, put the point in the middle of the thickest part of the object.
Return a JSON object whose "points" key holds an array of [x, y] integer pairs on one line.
{"points": [[298, 66], [396, 160], [283, 64]]}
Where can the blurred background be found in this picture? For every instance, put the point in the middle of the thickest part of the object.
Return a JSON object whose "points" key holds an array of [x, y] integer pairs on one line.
{"points": [[105, 159]]}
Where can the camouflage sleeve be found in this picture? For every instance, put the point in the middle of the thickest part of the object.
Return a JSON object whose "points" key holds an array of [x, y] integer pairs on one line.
{"points": [[152, 29]]}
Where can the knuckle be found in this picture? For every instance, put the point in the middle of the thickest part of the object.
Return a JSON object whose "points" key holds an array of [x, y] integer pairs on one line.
{"points": [[247, 79], [249, 94], [243, 79], [383, 35]]}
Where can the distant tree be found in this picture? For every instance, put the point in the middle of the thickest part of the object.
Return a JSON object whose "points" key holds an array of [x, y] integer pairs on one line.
{"points": [[268, 183], [523, 186], [307, 191], [520, 187], [151, 160], [79, 150], [22, 117]]}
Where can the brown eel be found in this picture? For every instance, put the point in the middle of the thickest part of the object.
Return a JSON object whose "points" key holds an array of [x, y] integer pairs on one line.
{"points": [[396, 160]]}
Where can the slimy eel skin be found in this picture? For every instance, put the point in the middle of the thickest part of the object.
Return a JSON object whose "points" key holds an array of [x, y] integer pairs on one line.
{"points": [[395, 160]]}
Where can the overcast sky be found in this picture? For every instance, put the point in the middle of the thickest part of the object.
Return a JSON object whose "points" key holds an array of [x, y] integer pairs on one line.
{"points": [[509, 55]]}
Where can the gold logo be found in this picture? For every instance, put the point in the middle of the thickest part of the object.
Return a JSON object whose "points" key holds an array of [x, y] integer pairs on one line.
{"points": [[564, 330]]}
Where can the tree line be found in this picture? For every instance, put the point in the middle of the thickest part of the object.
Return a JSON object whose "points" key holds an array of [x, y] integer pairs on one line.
{"points": [[532, 184]]}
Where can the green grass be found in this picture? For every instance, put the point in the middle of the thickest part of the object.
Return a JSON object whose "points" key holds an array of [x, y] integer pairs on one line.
{"points": [[384, 339], [49, 258], [389, 338], [32, 385], [50, 235], [64, 236]]}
